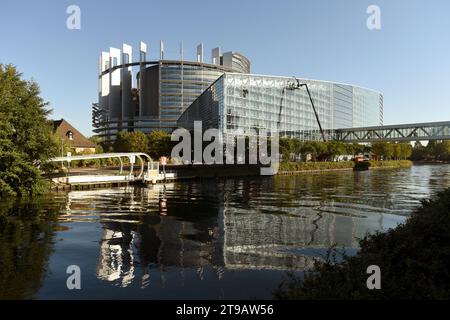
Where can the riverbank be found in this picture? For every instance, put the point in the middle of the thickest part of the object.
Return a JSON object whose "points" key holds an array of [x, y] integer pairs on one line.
{"points": [[413, 258], [288, 168]]}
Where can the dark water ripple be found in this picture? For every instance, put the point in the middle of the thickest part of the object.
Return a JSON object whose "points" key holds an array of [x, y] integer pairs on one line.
{"points": [[232, 238]]}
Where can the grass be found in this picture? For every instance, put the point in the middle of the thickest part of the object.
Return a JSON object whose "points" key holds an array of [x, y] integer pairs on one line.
{"points": [[306, 166], [318, 165], [414, 259], [391, 164]]}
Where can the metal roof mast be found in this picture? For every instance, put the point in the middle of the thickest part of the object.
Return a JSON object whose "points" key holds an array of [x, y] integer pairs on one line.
{"points": [[295, 86]]}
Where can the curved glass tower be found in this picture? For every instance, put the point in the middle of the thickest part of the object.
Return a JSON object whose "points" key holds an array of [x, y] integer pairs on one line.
{"points": [[252, 103]]}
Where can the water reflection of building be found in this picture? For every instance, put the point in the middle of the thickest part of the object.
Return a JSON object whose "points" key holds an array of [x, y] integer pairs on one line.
{"points": [[135, 233], [116, 261], [265, 235], [233, 225]]}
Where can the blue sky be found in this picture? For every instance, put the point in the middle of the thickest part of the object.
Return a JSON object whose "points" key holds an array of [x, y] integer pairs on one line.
{"points": [[408, 60]]}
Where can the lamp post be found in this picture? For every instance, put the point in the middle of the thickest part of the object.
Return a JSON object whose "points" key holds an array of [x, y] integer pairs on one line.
{"points": [[62, 153]]}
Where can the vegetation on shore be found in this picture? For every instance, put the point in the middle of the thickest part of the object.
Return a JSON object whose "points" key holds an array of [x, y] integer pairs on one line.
{"points": [[414, 259], [434, 151], [26, 135], [327, 165], [155, 144], [294, 149], [313, 165], [391, 164]]}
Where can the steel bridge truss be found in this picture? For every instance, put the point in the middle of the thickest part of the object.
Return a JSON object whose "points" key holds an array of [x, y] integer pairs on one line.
{"points": [[402, 132]]}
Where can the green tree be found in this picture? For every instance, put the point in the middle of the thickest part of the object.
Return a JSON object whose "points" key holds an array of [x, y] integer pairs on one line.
{"points": [[446, 155], [26, 135], [441, 150], [131, 142], [430, 149], [159, 144], [296, 146], [358, 148], [98, 144], [383, 149], [396, 150], [349, 149], [418, 152], [285, 148], [335, 148], [405, 150], [309, 148]]}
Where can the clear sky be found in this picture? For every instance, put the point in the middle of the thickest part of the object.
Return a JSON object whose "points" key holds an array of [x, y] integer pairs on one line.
{"points": [[408, 60]]}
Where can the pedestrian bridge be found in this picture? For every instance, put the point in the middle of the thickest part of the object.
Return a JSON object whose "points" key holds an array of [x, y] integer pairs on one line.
{"points": [[144, 171], [400, 132]]}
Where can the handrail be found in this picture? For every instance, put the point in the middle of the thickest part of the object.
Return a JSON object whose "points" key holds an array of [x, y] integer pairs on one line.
{"points": [[139, 155]]}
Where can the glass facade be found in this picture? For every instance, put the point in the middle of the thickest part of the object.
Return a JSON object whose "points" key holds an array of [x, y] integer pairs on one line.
{"points": [[179, 86], [253, 103], [172, 93], [165, 90]]}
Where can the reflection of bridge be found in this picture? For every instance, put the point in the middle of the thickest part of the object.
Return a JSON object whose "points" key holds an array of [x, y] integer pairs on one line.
{"points": [[401, 132]]}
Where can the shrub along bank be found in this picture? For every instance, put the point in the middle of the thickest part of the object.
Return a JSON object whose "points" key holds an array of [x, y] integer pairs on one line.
{"points": [[317, 166]]}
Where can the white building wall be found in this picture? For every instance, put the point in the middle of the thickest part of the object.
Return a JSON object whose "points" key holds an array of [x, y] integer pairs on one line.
{"points": [[115, 101], [127, 76]]}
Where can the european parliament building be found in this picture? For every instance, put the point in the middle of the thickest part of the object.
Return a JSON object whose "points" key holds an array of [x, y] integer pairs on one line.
{"points": [[223, 94]]}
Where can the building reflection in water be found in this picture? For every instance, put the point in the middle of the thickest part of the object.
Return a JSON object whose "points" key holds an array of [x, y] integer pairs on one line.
{"points": [[222, 226]]}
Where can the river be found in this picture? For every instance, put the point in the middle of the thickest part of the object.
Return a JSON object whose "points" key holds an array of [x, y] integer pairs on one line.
{"points": [[216, 239]]}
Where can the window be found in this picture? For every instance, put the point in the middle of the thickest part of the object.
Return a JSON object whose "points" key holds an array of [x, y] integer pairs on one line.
{"points": [[69, 135]]}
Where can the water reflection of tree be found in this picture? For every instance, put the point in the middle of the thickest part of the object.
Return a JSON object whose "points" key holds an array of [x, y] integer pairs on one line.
{"points": [[27, 230]]}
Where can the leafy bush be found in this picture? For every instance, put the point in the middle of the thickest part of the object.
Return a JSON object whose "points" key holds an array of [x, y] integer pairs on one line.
{"points": [[301, 166], [317, 165], [414, 259], [131, 142]]}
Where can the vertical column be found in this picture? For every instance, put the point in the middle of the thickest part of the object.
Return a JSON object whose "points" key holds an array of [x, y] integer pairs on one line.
{"points": [[141, 86], [127, 75], [215, 55], [104, 91], [115, 100], [104, 81], [200, 52], [161, 50]]}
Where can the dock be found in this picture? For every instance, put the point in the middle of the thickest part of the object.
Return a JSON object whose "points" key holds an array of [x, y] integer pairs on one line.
{"points": [[89, 178], [139, 169]]}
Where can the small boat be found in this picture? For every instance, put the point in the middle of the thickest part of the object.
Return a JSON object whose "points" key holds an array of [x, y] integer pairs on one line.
{"points": [[361, 164]]}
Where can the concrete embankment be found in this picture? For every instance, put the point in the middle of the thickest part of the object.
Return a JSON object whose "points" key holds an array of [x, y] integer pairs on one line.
{"points": [[213, 170], [92, 178]]}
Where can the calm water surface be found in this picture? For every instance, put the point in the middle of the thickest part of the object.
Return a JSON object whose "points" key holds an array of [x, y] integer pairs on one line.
{"points": [[220, 239]]}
